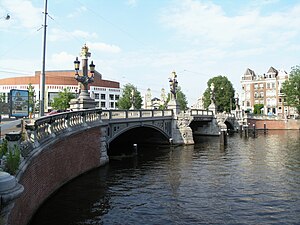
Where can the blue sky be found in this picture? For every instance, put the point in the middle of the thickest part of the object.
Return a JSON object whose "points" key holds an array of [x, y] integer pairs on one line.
{"points": [[143, 41]]}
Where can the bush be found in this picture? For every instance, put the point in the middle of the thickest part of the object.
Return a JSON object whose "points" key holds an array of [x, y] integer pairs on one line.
{"points": [[3, 148], [13, 161], [12, 158]]}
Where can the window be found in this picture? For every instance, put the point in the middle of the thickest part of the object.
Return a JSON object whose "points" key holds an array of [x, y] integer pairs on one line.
{"points": [[117, 97], [112, 105], [268, 85], [96, 95], [273, 85], [111, 97], [102, 96], [261, 94], [102, 104]]}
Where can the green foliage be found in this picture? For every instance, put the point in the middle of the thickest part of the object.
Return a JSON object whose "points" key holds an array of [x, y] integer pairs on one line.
{"points": [[13, 158], [224, 94], [31, 97], [126, 100], [181, 99], [3, 148], [291, 88], [257, 108], [2, 97], [62, 101], [13, 161]]}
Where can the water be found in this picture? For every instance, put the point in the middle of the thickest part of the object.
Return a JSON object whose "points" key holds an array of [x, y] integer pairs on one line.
{"points": [[251, 181]]}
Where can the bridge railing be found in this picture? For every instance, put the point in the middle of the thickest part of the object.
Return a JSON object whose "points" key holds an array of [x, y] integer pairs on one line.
{"points": [[201, 112], [43, 129], [134, 114], [227, 115]]}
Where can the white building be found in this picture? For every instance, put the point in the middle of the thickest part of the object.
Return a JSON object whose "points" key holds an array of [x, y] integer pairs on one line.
{"points": [[105, 92]]}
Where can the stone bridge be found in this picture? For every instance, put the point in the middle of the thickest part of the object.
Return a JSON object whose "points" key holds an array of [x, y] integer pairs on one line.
{"points": [[60, 147]]}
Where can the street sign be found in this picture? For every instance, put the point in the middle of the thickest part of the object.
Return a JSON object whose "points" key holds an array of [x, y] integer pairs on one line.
{"points": [[19, 103]]}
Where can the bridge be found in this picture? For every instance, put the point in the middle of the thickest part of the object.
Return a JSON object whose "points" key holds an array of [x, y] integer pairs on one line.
{"points": [[59, 147]]}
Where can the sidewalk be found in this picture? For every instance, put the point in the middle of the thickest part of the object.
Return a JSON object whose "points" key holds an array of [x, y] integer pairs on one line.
{"points": [[6, 128]]}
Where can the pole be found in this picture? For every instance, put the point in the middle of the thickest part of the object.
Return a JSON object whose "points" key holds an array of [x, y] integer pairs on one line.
{"points": [[42, 77]]}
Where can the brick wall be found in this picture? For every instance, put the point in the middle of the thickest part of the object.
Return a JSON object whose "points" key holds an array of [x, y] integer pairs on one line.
{"points": [[53, 167], [290, 124]]}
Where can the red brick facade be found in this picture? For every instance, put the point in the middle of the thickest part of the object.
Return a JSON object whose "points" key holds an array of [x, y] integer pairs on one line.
{"points": [[63, 77], [289, 124], [53, 167]]}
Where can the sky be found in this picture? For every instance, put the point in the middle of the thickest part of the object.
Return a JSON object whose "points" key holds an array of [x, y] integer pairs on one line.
{"points": [[142, 41]]}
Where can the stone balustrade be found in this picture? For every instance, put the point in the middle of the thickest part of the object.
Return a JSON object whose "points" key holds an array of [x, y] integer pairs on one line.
{"points": [[201, 112], [43, 129], [133, 114]]}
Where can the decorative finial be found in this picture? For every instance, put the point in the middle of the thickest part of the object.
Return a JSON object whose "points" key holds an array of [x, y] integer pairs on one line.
{"points": [[85, 51]]}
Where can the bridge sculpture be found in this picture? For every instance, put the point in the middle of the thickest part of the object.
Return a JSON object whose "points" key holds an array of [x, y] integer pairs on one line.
{"points": [[58, 148]]}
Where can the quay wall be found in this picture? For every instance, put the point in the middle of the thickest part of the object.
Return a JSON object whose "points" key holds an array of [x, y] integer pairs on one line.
{"points": [[274, 124], [53, 165]]}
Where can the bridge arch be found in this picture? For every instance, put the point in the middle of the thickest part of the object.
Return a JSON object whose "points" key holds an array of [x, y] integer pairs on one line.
{"points": [[229, 125], [122, 143]]}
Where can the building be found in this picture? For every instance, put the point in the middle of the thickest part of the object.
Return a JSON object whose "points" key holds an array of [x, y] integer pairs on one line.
{"points": [[155, 103], [105, 92], [199, 104], [266, 90]]}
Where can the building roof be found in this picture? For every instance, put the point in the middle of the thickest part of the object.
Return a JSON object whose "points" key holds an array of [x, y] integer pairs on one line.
{"points": [[155, 99], [249, 72], [272, 70], [58, 77]]}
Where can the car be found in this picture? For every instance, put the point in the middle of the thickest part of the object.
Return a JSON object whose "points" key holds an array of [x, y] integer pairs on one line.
{"points": [[53, 112]]}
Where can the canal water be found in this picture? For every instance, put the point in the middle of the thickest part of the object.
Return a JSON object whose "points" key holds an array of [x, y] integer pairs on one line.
{"points": [[250, 181]]}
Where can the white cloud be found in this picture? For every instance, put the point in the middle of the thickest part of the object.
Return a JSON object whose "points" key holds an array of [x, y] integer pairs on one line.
{"points": [[23, 13], [103, 47], [78, 12], [131, 3], [59, 35], [206, 22], [61, 60]]}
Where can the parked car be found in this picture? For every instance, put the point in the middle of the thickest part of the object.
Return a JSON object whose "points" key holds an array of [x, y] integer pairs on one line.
{"points": [[55, 112]]}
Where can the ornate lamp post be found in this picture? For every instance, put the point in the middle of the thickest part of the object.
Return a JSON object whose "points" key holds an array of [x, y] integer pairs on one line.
{"points": [[212, 105], [84, 80], [173, 104], [132, 99], [212, 93], [237, 106], [173, 85], [83, 101]]}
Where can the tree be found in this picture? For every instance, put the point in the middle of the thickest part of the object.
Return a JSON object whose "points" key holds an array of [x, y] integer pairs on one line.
{"points": [[257, 108], [224, 94], [291, 89], [31, 96], [130, 96], [181, 99], [62, 101]]}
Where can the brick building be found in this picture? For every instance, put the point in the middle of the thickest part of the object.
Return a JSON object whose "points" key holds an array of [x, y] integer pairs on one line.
{"points": [[266, 90], [105, 92]]}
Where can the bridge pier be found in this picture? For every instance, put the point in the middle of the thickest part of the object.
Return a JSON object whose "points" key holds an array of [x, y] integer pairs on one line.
{"points": [[181, 132], [103, 146]]}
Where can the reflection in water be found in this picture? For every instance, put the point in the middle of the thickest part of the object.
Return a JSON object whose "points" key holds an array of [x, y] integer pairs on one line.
{"points": [[250, 181]]}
